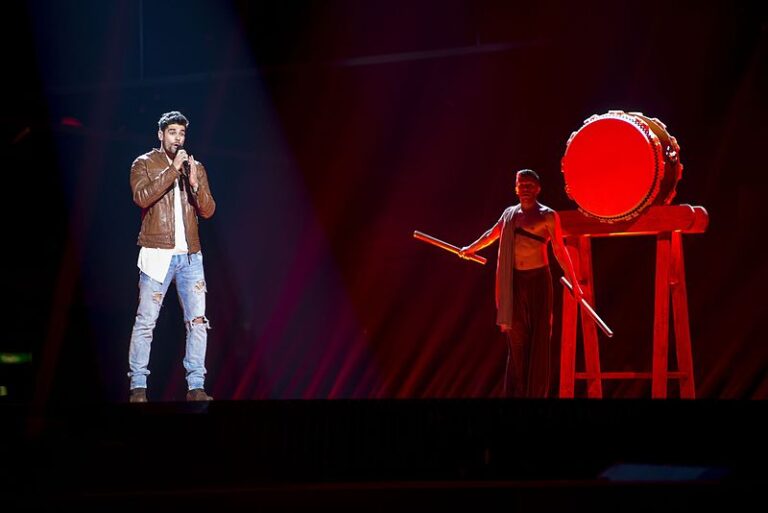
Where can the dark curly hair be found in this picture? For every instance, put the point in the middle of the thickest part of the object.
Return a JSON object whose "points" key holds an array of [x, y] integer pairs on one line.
{"points": [[172, 117]]}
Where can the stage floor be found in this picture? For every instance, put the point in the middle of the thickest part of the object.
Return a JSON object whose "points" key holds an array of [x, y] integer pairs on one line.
{"points": [[385, 455]]}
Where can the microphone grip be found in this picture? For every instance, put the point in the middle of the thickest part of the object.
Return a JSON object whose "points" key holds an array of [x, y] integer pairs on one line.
{"points": [[184, 165]]}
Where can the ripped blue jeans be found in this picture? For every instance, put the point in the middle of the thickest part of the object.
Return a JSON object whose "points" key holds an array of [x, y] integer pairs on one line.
{"points": [[187, 272]]}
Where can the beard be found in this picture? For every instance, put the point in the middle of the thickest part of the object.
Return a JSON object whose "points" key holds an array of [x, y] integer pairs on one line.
{"points": [[172, 148]]}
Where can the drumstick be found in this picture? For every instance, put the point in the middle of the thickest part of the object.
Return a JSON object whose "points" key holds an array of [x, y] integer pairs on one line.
{"points": [[448, 247], [591, 311]]}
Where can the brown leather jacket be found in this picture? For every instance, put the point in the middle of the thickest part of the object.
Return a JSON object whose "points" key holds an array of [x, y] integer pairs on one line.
{"points": [[152, 180]]}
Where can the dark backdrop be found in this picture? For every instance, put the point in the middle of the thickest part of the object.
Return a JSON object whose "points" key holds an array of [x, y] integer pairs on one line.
{"points": [[331, 130]]}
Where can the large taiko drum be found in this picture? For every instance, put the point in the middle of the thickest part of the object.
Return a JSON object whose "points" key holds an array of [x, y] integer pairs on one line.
{"points": [[620, 163]]}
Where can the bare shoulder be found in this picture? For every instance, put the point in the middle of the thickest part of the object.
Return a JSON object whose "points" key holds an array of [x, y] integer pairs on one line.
{"points": [[547, 212], [551, 219]]}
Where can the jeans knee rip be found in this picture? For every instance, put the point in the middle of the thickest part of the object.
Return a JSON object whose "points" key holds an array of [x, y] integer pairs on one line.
{"points": [[201, 321]]}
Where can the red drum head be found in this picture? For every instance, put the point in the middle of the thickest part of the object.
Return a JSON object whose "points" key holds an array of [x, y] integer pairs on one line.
{"points": [[620, 163]]}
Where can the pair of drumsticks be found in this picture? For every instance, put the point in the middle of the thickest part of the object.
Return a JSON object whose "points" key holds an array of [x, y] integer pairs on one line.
{"points": [[480, 260]]}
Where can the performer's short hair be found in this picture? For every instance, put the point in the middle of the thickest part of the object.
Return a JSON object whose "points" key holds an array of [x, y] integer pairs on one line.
{"points": [[529, 173], [172, 117]]}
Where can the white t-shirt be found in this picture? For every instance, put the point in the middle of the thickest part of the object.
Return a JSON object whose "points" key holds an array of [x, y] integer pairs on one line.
{"points": [[154, 262]]}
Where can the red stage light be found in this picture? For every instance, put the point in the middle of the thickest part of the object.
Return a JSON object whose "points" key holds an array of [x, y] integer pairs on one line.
{"points": [[70, 121]]}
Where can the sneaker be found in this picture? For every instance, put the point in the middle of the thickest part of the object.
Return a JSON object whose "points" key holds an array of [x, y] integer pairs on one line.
{"points": [[138, 395], [198, 394]]}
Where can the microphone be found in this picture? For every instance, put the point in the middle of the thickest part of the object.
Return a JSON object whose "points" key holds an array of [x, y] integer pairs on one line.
{"points": [[184, 165]]}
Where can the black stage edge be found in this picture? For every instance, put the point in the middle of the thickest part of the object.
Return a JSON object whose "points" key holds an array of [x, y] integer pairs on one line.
{"points": [[387, 455]]}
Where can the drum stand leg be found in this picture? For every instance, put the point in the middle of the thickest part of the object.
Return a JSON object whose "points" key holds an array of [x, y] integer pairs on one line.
{"points": [[681, 322], [581, 253], [568, 330], [669, 283]]}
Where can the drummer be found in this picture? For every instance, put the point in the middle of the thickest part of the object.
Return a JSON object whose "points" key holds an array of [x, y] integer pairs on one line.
{"points": [[524, 304]]}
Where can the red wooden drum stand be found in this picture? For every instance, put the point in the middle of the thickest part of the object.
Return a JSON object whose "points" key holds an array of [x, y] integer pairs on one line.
{"points": [[667, 223]]}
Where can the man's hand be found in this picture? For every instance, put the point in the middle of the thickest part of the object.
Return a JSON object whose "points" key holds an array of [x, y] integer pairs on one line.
{"points": [[179, 159], [466, 252], [578, 292], [193, 173]]}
